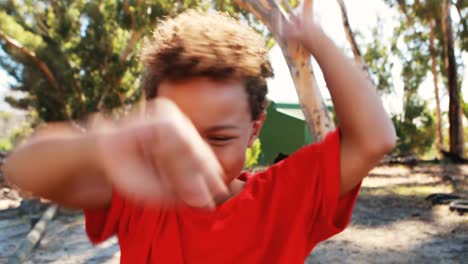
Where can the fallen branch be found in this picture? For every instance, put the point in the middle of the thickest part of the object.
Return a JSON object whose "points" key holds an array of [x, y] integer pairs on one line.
{"points": [[34, 236]]}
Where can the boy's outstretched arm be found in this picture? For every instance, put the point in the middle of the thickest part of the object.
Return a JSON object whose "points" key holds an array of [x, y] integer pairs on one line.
{"points": [[155, 158], [59, 163], [367, 133]]}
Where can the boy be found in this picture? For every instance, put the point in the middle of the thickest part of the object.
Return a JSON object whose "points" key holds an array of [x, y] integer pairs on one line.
{"points": [[168, 184]]}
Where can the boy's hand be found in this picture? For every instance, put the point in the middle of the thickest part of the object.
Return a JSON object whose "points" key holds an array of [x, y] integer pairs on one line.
{"points": [[301, 27], [161, 158]]}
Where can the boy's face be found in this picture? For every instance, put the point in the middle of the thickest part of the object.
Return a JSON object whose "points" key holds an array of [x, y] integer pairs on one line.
{"points": [[221, 114]]}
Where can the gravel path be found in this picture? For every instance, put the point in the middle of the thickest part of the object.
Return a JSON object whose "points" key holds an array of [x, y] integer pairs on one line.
{"points": [[11, 232], [66, 242]]}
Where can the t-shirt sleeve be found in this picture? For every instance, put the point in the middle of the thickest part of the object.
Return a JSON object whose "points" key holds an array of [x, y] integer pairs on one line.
{"points": [[103, 223], [308, 185]]}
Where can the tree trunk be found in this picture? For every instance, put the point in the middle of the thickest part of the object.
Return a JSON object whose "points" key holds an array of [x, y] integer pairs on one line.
{"points": [[456, 125], [440, 141], [300, 66], [350, 35]]}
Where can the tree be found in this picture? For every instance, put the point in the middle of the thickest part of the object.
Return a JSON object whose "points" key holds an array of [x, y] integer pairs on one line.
{"points": [[377, 58], [421, 36], [455, 110], [75, 57], [298, 59], [440, 141], [414, 128], [375, 62]]}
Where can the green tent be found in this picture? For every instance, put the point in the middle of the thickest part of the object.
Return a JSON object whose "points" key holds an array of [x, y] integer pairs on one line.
{"points": [[285, 130]]}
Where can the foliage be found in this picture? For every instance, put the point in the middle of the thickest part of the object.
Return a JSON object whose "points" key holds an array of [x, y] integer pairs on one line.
{"points": [[252, 154], [20, 133], [16, 136], [72, 57], [411, 44], [377, 57], [5, 145], [5, 116], [81, 56], [464, 107], [462, 29], [415, 128], [465, 131]]}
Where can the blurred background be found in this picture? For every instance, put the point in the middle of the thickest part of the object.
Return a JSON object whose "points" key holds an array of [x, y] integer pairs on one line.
{"points": [[63, 59]]}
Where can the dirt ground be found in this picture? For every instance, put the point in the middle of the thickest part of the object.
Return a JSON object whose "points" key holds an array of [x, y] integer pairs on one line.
{"points": [[392, 223]]}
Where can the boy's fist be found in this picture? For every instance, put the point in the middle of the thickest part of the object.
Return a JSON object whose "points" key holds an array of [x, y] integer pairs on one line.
{"points": [[160, 158]]}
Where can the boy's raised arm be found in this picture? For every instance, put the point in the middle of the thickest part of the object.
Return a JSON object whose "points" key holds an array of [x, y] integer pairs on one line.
{"points": [[367, 133]]}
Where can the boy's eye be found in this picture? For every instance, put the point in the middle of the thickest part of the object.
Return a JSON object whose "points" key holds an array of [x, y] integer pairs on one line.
{"points": [[220, 139]]}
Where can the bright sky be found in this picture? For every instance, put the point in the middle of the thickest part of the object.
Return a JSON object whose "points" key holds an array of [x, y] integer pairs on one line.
{"points": [[362, 20], [329, 16], [5, 80]]}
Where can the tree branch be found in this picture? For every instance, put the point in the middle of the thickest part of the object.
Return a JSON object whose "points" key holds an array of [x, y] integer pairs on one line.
{"points": [[440, 138], [41, 26], [32, 56], [299, 63], [135, 35], [352, 41], [125, 54], [42, 66], [458, 6], [349, 32]]}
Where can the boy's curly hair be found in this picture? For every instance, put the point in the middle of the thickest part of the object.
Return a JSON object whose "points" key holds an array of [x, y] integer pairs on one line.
{"points": [[214, 45]]}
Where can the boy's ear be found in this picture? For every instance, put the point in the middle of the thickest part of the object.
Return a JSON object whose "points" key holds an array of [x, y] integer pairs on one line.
{"points": [[256, 127]]}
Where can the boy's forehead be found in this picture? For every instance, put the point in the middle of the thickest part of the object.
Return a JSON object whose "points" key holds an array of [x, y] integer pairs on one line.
{"points": [[220, 103], [204, 89]]}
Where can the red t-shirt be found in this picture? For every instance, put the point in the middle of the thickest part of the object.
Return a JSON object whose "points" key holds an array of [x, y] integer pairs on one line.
{"points": [[279, 216]]}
